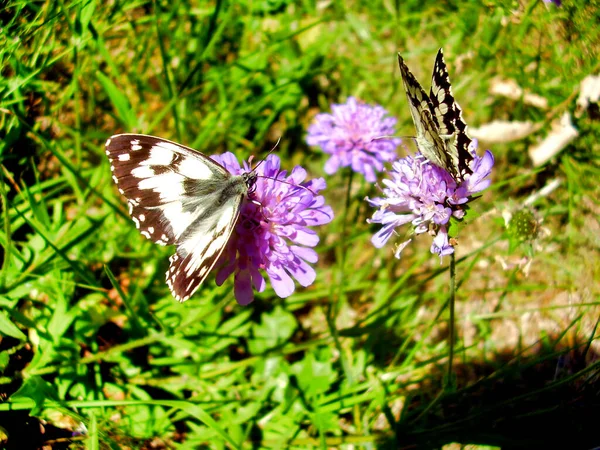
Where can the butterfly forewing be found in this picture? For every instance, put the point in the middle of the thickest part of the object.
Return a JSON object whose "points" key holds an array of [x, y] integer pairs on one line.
{"points": [[441, 96], [417, 97], [178, 196], [449, 114]]}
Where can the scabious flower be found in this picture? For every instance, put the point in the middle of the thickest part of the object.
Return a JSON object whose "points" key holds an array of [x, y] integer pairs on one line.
{"points": [[272, 233], [355, 135], [426, 196]]}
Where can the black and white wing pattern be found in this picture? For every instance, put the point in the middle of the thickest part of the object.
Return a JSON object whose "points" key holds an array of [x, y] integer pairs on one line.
{"points": [[178, 196], [449, 115], [441, 132]]}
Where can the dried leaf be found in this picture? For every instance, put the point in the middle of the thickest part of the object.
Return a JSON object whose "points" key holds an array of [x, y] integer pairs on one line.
{"points": [[589, 93], [510, 89], [562, 133], [500, 131]]}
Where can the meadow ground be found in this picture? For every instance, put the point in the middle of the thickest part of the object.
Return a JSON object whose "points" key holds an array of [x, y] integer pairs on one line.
{"points": [[96, 353]]}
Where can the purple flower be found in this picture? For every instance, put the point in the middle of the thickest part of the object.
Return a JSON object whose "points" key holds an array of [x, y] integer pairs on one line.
{"points": [[355, 135], [272, 233], [556, 2], [426, 196]]}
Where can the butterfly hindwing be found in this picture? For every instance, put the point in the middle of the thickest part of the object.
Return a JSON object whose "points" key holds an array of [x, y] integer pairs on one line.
{"points": [[203, 244], [177, 196], [431, 138]]}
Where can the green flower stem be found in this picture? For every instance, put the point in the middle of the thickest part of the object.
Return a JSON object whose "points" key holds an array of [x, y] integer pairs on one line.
{"points": [[450, 380], [335, 301]]}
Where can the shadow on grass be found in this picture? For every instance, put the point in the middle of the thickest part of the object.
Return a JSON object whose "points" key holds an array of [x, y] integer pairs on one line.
{"points": [[547, 400]]}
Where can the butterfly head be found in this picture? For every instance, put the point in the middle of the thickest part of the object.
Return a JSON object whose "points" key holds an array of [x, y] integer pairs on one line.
{"points": [[250, 180]]}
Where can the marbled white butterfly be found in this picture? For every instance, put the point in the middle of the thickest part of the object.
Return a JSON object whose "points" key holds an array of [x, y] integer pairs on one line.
{"points": [[441, 131], [178, 196]]}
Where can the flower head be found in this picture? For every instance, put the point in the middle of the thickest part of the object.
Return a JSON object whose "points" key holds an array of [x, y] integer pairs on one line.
{"points": [[272, 233], [426, 196], [355, 135]]}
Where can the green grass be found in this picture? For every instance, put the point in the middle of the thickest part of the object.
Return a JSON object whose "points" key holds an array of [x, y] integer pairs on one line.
{"points": [[91, 338]]}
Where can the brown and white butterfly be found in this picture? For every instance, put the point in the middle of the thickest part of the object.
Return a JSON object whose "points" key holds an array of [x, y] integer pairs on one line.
{"points": [[178, 196]]}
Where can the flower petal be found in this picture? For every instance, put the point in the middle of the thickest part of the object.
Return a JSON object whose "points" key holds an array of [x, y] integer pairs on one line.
{"points": [[307, 254], [282, 283], [302, 272], [242, 288]]}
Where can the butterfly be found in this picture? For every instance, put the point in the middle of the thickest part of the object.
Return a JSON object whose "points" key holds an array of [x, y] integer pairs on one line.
{"points": [[441, 131], [178, 196]]}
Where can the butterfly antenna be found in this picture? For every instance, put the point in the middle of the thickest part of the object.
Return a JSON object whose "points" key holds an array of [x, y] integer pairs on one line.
{"points": [[288, 183], [270, 151], [380, 138], [279, 171]]}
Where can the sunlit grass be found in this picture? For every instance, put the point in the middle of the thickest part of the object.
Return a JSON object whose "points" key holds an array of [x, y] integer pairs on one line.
{"points": [[92, 341]]}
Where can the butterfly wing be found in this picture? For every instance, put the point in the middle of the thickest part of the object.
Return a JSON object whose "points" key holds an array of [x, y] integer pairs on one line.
{"points": [[429, 142], [432, 141], [448, 114], [177, 196], [202, 243], [418, 100]]}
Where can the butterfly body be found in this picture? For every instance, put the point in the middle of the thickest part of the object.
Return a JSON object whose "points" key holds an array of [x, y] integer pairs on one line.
{"points": [[441, 131], [178, 196]]}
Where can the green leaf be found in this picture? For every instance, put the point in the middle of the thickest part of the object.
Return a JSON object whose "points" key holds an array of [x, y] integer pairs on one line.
{"points": [[314, 377], [38, 390], [119, 100], [7, 328], [86, 14], [4, 360], [274, 330]]}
